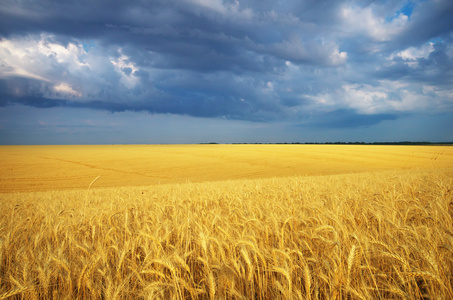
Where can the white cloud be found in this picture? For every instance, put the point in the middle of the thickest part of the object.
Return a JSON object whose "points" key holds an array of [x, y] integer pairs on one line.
{"points": [[230, 10], [438, 93], [269, 86], [71, 54], [363, 21], [414, 53], [366, 98], [15, 60], [338, 58], [296, 50], [126, 69], [215, 5], [63, 71], [385, 97], [37, 57], [66, 90]]}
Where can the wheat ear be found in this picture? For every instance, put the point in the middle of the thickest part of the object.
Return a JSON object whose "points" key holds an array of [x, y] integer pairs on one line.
{"points": [[13, 292], [352, 258]]}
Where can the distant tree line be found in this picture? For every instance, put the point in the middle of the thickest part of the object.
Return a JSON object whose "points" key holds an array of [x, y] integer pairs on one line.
{"points": [[383, 143]]}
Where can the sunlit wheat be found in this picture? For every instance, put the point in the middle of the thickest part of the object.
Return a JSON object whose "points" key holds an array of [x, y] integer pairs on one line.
{"points": [[369, 235]]}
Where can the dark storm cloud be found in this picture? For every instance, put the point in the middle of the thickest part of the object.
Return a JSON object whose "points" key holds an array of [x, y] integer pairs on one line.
{"points": [[434, 69], [430, 19], [345, 118], [345, 63], [185, 34], [196, 95]]}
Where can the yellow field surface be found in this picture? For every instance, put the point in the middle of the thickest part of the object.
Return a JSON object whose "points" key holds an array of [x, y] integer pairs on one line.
{"points": [[41, 168], [378, 235], [254, 222]]}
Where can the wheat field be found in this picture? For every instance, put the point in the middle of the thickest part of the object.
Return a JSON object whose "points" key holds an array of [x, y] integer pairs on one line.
{"points": [[45, 168], [226, 222]]}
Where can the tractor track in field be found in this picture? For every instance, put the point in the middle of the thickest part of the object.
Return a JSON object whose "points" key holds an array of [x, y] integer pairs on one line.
{"points": [[105, 169], [49, 168]]}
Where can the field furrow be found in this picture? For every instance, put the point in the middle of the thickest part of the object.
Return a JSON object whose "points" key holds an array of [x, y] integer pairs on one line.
{"points": [[41, 168], [226, 222]]}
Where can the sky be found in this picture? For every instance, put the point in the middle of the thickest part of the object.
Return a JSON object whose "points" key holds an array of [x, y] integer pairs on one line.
{"points": [[225, 71]]}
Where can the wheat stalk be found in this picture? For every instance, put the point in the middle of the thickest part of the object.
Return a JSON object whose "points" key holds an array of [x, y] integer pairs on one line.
{"points": [[249, 264], [211, 285], [287, 276], [92, 182], [307, 280], [13, 292], [352, 258], [265, 239]]}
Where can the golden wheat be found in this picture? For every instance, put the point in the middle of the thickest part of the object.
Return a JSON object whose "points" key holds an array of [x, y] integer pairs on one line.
{"points": [[13, 292], [369, 235]]}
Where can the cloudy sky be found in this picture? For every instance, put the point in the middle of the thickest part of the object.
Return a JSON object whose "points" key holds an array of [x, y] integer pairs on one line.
{"points": [[191, 71]]}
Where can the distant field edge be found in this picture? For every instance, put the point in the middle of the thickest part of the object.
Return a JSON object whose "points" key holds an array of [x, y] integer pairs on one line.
{"points": [[61, 167], [403, 143]]}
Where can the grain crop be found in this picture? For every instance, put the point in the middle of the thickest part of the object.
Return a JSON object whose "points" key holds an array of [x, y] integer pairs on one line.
{"points": [[47, 168], [375, 231]]}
